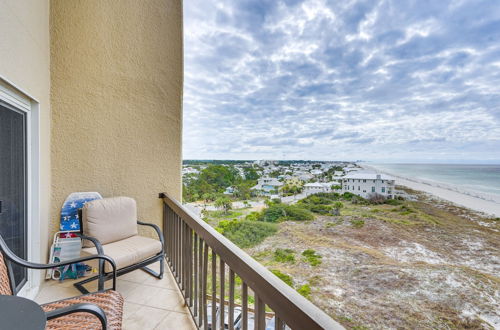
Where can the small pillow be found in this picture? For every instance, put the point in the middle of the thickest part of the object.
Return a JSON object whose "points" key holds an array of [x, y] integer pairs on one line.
{"points": [[109, 219]]}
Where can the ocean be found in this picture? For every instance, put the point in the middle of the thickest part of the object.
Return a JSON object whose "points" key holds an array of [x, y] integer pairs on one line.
{"points": [[475, 178]]}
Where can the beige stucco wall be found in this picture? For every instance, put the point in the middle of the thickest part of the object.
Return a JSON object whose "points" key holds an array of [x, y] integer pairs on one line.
{"points": [[116, 90], [24, 63]]}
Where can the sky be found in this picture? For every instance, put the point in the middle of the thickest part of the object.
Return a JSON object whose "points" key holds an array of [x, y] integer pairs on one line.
{"points": [[383, 81]]}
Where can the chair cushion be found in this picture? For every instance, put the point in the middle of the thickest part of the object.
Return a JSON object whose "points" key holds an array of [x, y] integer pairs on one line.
{"points": [[110, 301], [128, 251], [109, 219]]}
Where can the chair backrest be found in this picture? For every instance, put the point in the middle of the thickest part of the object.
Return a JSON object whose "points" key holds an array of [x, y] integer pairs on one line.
{"points": [[109, 219], [4, 277]]}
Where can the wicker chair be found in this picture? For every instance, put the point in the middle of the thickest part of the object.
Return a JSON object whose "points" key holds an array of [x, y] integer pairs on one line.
{"points": [[100, 310]]}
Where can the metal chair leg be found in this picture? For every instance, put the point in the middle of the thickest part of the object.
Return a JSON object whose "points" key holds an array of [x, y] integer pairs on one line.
{"points": [[100, 283], [81, 288], [162, 267], [153, 273]]}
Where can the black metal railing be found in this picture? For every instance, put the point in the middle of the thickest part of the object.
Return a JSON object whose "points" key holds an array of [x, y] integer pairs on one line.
{"points": [[223, 286]]}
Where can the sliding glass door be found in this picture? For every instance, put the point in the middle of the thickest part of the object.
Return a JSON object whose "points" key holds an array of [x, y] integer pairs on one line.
{"points": [[13, 184]]}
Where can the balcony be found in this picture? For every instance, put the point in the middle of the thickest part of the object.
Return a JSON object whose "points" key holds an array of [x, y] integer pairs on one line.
{"points": [[207, 271], [150, 303]]}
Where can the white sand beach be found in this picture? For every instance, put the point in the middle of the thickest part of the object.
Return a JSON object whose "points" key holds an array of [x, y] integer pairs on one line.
{"points": [[487, 204], [468, 201]]}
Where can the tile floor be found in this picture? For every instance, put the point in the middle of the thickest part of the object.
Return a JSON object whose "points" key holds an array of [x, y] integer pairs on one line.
{"points": [[150, 303]]}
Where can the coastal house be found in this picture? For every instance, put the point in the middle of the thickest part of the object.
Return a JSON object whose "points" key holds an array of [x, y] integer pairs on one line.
{"points": [[190, 170], [293, 181], [338, 174], [229, 191], [304, 176], [267, 185], [319, 187], [364, 184], [316, 172], [91, 100]]}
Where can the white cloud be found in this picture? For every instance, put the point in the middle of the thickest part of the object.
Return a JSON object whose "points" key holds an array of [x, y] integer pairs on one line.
{"points": [[332, 79]]}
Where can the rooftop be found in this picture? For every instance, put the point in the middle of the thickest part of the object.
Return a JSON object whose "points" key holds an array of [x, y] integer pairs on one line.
{"points": [[367, 176]]}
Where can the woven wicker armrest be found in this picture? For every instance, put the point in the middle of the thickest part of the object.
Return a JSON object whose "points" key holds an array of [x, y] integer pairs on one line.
{"points": [[78, 308], [89, 311]]}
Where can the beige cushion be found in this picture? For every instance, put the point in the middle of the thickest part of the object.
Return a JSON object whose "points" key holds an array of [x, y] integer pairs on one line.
{"points": [[109, 219], [128, 251]]}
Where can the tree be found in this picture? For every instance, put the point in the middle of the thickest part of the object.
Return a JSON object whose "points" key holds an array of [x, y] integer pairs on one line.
{"points": [[213, 179], [291, 189], [224, 203], [244, 189], [336, 207], [250, 173], [275, 174], [219, 177], [207, 197]]}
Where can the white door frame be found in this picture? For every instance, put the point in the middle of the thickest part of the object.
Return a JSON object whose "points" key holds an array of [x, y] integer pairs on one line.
{"points": [[21, 101]]}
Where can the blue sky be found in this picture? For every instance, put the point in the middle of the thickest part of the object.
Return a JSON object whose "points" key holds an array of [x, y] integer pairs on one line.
{"points": [[342, 80]]}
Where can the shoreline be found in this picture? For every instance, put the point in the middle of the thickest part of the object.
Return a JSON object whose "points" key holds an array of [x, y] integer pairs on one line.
{"points": [[474, 202]]}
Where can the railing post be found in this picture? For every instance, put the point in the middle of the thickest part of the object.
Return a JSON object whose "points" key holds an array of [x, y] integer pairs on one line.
{"points": [[204, 290], [231, 299], [194, 266], [214, 291], [222, 298], [260, 313]]}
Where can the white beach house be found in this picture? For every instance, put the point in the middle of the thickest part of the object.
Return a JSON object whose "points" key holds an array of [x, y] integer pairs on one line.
{"points": [[316, 172], [319, 187], [267, 185], [365, 183]]}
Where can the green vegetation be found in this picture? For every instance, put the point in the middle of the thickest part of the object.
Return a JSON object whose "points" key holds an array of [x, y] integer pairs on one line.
{"points": [[250, 173], [357, 223], [278, 212], [214, 179], [246, 233], [253, 216], [275, 174], [305, 290], [333, 224], [336, 207], [405, 209], [231, 214], [291, 189], [284, 255], [223, 203], [328, 203], [284, 277], [394, 202], [282, 212], [312, 257]]}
